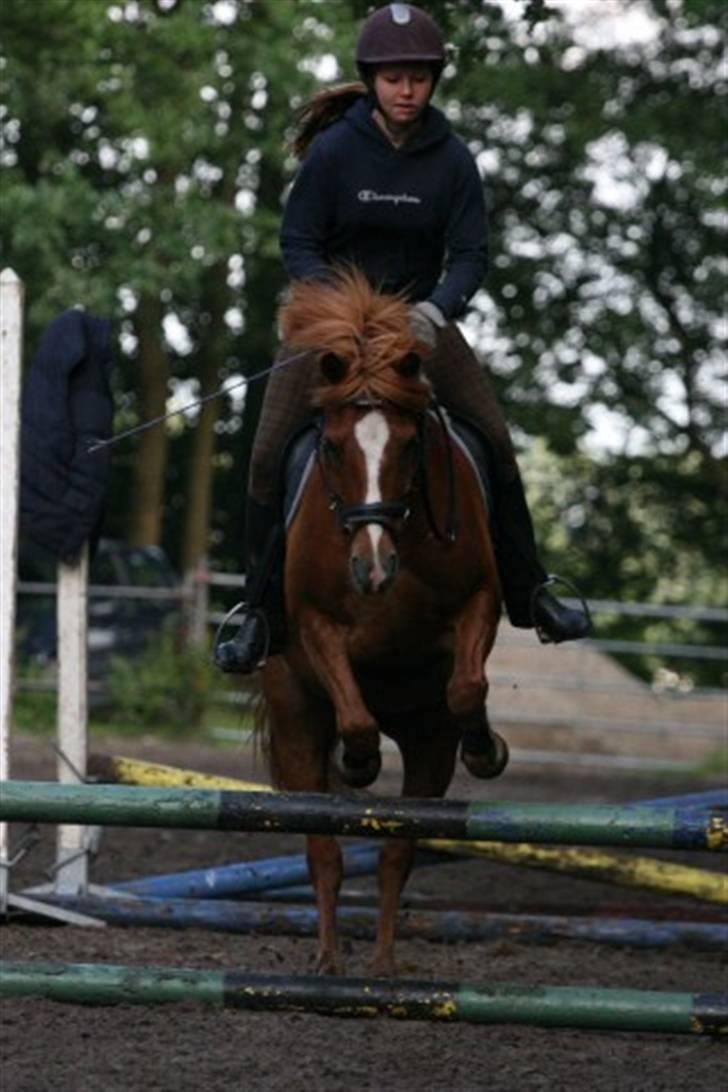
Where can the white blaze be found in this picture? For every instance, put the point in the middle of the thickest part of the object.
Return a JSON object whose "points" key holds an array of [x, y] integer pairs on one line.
{"points": [[372, 433]]}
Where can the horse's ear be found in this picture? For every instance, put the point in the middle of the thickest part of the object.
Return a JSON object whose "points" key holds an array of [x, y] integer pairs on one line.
{"points": [[333, 368], [409, 366]]}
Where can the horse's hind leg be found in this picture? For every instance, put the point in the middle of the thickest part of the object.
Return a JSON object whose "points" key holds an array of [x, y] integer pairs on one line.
{"points": [[301, 735], [428, 742]]}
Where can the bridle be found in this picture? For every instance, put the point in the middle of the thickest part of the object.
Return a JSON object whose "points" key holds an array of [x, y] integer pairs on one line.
{"points": [[393, 514]]}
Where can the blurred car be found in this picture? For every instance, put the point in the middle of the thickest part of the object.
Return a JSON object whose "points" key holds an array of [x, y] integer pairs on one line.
{"points": [[117, 625]]}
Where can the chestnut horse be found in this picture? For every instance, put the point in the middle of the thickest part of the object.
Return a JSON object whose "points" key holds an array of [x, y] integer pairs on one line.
{"points": [[392, 596]]}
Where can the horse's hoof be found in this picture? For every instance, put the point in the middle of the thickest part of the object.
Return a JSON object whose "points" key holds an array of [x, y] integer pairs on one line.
{"points": [[329, 963], [488, 763], [359, 771], [384, 967]]}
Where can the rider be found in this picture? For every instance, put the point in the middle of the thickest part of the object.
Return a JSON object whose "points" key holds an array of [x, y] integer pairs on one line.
{"points": [[386, 185]]}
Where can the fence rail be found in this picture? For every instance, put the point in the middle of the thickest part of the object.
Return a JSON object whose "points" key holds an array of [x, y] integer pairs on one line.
{"points": [[629, 717], [193, 597]]}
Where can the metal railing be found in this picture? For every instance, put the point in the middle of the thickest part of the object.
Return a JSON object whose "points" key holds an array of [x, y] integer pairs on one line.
{"points": [[194, 597]]}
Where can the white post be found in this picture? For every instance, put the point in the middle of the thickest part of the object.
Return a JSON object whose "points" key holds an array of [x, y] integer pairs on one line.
{"points": [[11, 339], [72, 843]]}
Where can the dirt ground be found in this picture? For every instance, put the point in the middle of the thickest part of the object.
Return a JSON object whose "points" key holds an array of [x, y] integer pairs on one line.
{"points": [[183, 1047]]}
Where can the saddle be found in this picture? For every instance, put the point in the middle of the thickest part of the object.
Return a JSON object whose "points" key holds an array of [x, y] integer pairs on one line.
{"points": [[300, 457]]}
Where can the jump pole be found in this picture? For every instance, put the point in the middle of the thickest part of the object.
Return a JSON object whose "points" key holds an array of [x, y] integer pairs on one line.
{"points": [[119, 770], [639, 872], [548, 1006], [229, 916], [690, 799], [245, 878], [318, 813], [595, 864], [274, 875]]}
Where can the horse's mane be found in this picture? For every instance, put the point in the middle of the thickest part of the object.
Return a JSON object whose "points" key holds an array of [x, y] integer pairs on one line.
{"points": [[367, 330]]}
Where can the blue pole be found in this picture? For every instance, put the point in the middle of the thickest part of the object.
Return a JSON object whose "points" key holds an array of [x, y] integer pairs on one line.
{"points": [[360, 922], [245, 877], [252, 877], [710, 797]]}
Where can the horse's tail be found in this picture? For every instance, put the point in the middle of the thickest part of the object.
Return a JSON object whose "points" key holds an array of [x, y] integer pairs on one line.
{"points": [[323, 110]]}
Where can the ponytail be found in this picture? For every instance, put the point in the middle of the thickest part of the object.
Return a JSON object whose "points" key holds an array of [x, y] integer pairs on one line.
{"points": [[323, 110]]}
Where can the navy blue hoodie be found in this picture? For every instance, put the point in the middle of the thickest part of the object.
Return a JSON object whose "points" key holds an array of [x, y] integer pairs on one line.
{"points": [[401, 215]]}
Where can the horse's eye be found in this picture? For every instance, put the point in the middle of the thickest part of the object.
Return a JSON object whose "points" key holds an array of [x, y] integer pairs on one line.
{"points": [[409, 366], [333, 368]]}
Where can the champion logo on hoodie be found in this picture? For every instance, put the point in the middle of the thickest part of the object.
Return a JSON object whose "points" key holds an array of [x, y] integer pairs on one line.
{"points": [[368, 196]]}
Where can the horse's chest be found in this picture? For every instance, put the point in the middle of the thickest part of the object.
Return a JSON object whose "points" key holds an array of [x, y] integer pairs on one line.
{"points": [[405, 622]]}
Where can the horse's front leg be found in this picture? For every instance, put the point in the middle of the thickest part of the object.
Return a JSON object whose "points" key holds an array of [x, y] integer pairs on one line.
{"points": [[484, 752], [300, 734], [324, 643]]}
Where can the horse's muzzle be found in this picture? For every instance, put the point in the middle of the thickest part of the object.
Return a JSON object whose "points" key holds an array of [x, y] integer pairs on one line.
{"points": [[373, 560]]}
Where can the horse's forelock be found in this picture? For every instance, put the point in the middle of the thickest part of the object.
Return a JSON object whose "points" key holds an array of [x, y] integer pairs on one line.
{"points": [[369, 331]]}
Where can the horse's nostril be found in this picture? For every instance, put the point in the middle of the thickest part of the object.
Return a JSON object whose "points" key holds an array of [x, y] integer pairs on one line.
{"points": [[361, 568]]}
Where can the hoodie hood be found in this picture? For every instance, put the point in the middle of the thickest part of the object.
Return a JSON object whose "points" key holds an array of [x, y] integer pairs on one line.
{"points": [[435, 127]]}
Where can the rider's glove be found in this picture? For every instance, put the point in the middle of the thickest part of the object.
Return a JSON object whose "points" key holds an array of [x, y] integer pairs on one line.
{"points": [[425, 319]]}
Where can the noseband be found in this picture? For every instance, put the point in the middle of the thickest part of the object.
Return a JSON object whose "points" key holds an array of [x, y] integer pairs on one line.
{"points": [[387, 514], [392, 514]]}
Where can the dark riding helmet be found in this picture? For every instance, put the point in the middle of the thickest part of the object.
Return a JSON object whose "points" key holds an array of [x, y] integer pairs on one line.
{"points": [[396, 33]]}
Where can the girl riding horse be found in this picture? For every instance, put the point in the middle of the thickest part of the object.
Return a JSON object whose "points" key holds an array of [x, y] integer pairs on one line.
{"points": [[386, 186]]}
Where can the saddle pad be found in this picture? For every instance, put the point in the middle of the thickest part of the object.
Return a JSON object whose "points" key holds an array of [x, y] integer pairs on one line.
{"points": [[475, 449], [300, 458]]}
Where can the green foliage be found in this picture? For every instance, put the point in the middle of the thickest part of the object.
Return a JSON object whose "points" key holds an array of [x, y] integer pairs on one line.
{"points": [[143, 151], [630, 523], [168, 688], [34, 704]]}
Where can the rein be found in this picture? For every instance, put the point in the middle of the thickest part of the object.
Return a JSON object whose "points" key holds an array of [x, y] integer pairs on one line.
{"points": [[388, 514], [449, 534], [97, 445]]}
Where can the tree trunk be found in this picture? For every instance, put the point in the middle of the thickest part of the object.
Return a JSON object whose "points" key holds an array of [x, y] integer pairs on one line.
{"points": [[151, 456], [201, 471]]}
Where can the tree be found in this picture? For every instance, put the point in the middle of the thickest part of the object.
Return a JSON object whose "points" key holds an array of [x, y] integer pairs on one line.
{"points": [[157, 199]]}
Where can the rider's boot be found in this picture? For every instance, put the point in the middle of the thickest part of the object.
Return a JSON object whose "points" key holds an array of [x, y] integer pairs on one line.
{"points": [[524, 581], [261, 631]]}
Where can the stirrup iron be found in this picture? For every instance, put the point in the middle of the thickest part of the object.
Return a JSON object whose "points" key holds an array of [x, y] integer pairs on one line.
{"points": [[248, 610], [551, 579]]}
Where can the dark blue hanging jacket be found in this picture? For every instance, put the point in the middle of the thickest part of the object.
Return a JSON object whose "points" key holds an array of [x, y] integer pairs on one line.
{"points": [[66, 405]]}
